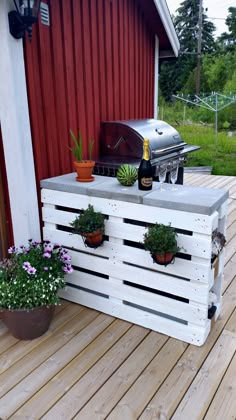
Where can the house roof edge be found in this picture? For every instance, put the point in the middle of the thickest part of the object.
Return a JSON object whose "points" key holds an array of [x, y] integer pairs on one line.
{"points": [[165, 17]]}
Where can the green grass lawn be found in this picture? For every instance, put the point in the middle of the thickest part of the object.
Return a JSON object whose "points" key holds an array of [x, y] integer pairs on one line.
{"points": [[220, 153]]}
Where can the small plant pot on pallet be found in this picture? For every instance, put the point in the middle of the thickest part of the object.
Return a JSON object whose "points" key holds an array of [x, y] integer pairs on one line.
{"points": [[94, 239], [164, 259]]}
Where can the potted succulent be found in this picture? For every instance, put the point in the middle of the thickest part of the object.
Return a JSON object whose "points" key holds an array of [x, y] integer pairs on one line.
{"points": [[161, 241], [29, 282], [90, 225], [218, 243], [84, 168]]}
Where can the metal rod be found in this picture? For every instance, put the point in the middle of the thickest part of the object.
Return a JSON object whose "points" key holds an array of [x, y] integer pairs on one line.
{"points": [[216, 120]]}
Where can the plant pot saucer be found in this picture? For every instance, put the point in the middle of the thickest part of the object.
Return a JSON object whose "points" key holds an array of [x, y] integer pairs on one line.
{"points": [[85, 179]]}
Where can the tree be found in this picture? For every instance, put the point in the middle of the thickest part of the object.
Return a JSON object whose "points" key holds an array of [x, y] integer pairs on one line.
{"points": [[186, 26], [231, 21], [227, 40], [218, 70], [174, 74]]}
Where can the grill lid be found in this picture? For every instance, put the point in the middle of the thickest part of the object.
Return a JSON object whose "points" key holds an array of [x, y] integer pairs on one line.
{"points": [[125, 138]]}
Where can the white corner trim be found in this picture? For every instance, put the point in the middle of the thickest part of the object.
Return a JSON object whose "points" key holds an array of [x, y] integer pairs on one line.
{"points": [[16, 134], [156, 77], [165, 16]]}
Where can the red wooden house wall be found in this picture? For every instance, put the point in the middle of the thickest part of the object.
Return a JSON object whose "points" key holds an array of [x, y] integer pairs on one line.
{"points": [[94, 62]]}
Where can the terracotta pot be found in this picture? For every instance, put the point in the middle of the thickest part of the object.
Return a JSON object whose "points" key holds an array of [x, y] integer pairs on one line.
{"points": [[84, 170], [94, 239], [27, 324], [165, 259]]}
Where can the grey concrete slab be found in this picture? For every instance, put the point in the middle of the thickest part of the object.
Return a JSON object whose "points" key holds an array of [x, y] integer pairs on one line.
{"points": [[68, 183], [183, 198], [113, 190], [187, 198], [102, 186]]}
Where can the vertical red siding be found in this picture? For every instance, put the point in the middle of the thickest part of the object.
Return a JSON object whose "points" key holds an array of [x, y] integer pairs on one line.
{"points": [[95, 62]]}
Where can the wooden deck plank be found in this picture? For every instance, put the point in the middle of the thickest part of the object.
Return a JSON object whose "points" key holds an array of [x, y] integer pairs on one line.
{"points": [[233, 259], [231, 216], [202, 181], [231, 324], [117, 385], [230, 249], [61, 382], [167, 399], [188, 176], [224, 401], [220, 183], [12, 376], [204, 386], [231, 231], [229, 274], [149, 381], [232, 189], [210, 181], [6, 341], [90, 383], [14, 399]]}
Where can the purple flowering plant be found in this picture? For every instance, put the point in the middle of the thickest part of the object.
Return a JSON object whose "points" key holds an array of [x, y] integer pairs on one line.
{"points": [[33, 274]]}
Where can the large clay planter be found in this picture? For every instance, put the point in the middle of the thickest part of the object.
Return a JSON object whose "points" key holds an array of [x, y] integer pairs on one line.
{"points": [[84, 170], [27, 324], [94, 239], [165, 259]]}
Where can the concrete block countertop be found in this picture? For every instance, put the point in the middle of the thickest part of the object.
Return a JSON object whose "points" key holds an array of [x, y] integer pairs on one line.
{"points": [[183, 198]]}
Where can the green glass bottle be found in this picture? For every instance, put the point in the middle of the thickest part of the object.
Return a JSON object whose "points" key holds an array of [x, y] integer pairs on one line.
{"points": [[145, 172]]}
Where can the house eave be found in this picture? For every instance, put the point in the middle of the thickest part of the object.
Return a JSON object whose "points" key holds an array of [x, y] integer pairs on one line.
{"points": [[165, 17]]}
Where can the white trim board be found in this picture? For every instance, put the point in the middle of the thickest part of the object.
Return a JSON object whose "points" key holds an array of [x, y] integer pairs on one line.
{"points": [[16, 134], [164, 14], [156, 76]]}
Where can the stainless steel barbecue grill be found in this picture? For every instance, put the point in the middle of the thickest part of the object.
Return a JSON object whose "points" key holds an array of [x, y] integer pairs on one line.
{"points": [[122, 142]]}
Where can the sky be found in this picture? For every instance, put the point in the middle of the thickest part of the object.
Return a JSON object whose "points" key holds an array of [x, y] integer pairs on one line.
{"points": [[216, 9]]}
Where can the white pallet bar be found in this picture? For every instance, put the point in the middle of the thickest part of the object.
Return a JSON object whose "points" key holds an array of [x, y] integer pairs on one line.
{"points": [[119, 278]]}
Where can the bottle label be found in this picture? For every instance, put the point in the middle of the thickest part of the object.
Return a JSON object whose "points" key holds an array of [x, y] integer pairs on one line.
{"points": [[146, 182]]}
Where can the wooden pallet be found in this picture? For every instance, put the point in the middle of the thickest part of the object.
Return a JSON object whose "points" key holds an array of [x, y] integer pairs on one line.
{"points": [[119, 278]]}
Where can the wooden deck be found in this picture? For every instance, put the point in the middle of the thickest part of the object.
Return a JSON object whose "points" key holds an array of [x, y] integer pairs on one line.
{"points": [[93, 366]]}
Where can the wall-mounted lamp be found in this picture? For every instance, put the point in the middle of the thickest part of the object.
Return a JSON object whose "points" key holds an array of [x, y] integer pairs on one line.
{"points": [[21, 19]]}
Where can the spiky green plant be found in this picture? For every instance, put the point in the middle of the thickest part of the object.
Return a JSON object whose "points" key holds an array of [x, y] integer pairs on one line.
{"points": [[77, 150]]}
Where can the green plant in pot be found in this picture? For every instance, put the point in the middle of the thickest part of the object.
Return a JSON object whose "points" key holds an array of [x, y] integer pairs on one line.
{"points": [[83, 167], [161, 241], [29, 282], [90, 225]]}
